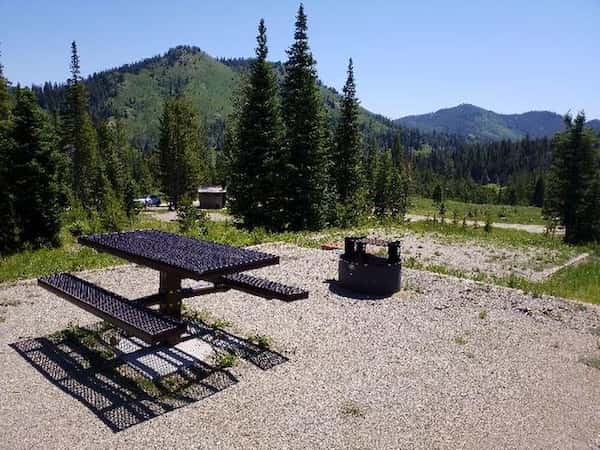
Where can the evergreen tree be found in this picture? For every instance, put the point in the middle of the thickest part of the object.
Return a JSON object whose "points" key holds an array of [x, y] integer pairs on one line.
{"points": [[370, 166], [538, 192], [391, 188], [34, 171], [438, 195], [397, 150], [306, 171], [182, 149], [116, 156], [79, 137], [347, 173], [384, 171], [571, 182], [398, 194], [5, 104], [257, 186], [9, 228]]}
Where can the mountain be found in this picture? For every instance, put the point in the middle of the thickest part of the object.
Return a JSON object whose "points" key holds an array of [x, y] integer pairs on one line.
{"points": [[473, 121], [135, 93], [594, 124]]}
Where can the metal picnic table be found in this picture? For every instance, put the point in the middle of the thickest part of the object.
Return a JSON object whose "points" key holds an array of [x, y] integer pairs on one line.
{"points": [[176, 258]]}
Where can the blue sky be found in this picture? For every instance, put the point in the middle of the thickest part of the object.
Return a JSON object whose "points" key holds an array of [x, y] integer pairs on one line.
{"points": [[410, 56]]}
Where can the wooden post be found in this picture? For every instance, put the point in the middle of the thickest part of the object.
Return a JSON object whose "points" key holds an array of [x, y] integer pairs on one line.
{"points": [[170, 288]]}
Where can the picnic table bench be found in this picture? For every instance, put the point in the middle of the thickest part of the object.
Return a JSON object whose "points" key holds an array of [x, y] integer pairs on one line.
{"points": [[176, 258]]}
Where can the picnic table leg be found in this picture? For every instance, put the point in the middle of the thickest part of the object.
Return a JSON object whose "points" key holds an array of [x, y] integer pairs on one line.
{"points": [[170, 288]]}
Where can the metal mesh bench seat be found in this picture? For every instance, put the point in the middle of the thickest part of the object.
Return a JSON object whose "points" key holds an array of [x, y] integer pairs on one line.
{"points": [[136, 320], [262, 287]]}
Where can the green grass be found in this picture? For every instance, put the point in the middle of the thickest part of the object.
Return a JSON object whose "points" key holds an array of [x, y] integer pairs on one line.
{"points": [[69, 257], [500, 236], [499, 213], [73, 257], [580, 282]]}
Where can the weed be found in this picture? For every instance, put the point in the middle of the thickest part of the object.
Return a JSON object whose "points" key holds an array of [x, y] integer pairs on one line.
{"points": [[353, 409], [147, 385], [197, 315], [460, 340], [10, 302], [483, 314], [221, 324], [591, 362], [226, 359], [263, 341]]}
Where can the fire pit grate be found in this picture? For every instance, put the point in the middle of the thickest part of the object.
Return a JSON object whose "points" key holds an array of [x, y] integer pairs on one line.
{"points": [[363, 272]]}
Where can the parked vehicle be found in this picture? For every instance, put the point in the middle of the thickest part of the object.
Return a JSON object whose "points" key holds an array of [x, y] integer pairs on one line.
{"points": [[153, 200], [150, 200]]}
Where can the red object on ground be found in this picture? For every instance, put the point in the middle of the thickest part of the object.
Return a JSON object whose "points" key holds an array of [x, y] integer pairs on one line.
{"points": [[332, 246]]}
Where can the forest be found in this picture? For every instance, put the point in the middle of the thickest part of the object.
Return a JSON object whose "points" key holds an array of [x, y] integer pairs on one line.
{"points": [[293, 153]]}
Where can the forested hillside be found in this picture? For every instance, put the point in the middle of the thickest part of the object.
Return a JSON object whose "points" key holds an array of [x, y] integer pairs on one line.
{"points": [[472, 167], [136, 93], [473, 121]]}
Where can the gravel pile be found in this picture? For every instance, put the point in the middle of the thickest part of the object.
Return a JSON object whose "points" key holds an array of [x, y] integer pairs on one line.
{"points": [[445, 363]]}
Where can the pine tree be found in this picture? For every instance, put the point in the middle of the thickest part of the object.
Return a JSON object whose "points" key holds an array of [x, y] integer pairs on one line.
{"points": [[398, 194], [538, 192], [257, 187], [79, 138], [9, 227], [391, 188], [182, 149], [397, 150], [385, 168], [34, 170], [347, 173], [116, 156], [5, 103], [572, 180], [306, 171], [370, 167], [438, 194]]}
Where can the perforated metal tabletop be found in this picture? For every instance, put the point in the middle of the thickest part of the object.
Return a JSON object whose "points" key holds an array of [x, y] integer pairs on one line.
{"points": [[190, 258]]}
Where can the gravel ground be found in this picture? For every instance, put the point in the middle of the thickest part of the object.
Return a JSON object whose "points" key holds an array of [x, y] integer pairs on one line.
{"points": [[445, 363], [530, 228], [473, 258]]}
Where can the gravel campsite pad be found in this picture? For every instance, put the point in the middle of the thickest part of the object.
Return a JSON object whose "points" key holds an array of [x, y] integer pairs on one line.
{"points": [[444, 363], [473, 258]]}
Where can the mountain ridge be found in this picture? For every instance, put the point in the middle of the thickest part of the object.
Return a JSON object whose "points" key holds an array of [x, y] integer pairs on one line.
{"points": [[135, 93], [474, 121]]}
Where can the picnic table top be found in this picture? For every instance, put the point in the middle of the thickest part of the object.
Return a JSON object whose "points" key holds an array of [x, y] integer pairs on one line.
{"points": [[189, 257]]}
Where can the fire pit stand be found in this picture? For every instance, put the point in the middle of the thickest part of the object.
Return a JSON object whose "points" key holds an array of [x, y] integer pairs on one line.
{"points": [[367, 273]]}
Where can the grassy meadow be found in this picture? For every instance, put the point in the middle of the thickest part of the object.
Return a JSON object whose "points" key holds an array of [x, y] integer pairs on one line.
{"points": [[581, 282], [472, 211]]}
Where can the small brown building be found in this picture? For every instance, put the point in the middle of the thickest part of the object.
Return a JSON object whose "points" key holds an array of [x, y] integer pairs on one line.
{"points": [[211, 197]]}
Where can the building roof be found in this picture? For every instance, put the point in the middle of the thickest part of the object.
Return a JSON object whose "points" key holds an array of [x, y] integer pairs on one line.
{"points": [[212, 190]]}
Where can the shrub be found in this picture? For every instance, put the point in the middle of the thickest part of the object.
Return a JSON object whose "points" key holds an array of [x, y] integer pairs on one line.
{"points": [[488, 223], [192, 221], [112, 214]]}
